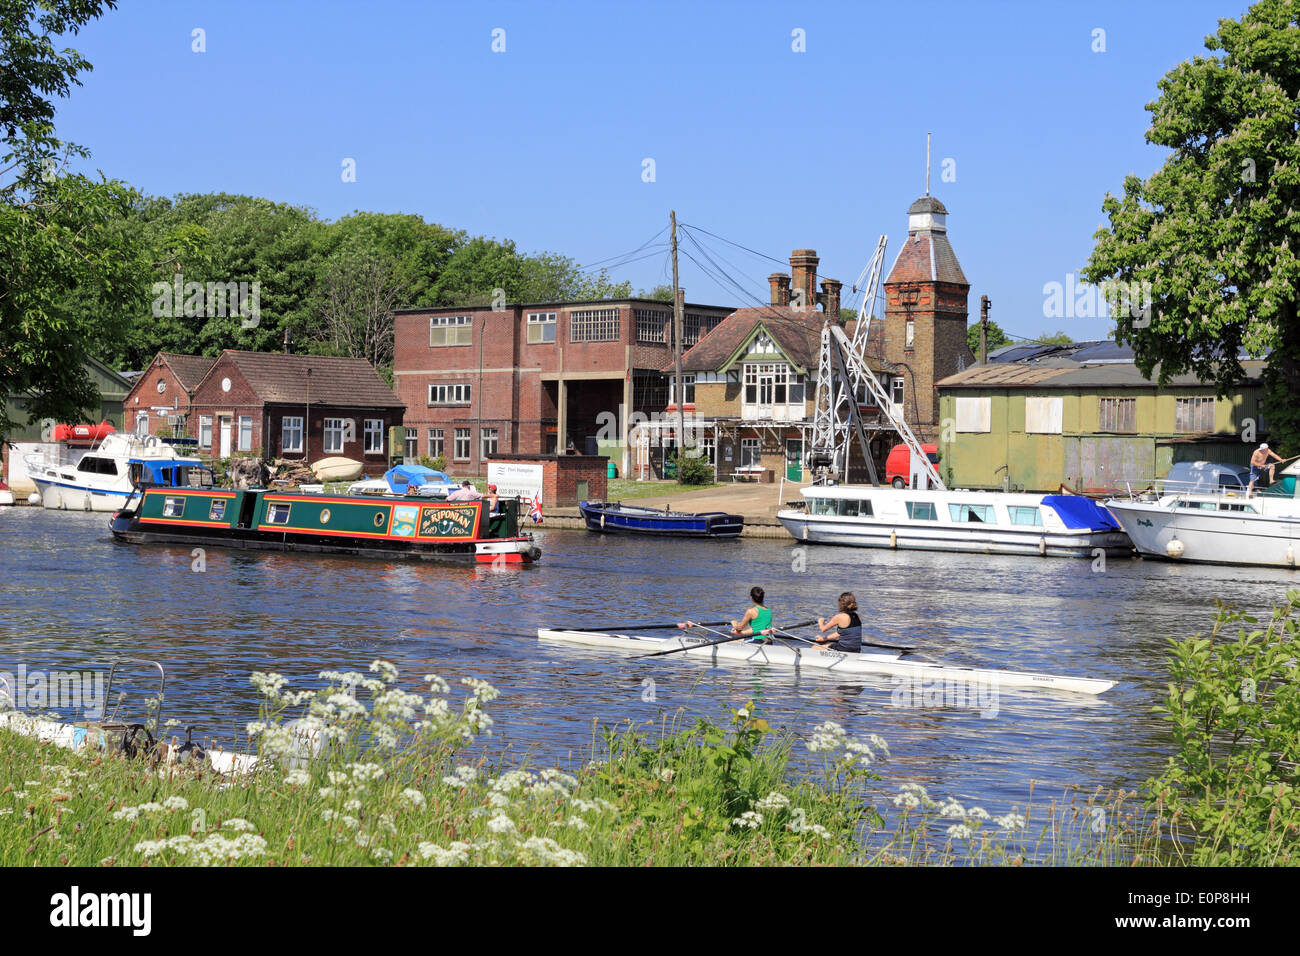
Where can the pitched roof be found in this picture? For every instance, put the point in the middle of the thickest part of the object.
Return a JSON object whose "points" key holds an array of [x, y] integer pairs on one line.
{"points": [[797, 332], [188, 369], [926, 256], [1063, 373], [335, 380]]}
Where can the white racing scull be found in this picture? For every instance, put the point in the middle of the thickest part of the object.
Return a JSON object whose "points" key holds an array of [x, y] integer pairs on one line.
{"points": [[836, 662]]}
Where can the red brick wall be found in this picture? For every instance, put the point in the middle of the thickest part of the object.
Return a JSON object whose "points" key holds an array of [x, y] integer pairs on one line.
{"points": [[144, 397], [939, 313], [561, 474]]}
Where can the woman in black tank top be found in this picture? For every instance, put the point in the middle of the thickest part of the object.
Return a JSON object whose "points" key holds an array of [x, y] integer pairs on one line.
{"points": [[845, 627]]}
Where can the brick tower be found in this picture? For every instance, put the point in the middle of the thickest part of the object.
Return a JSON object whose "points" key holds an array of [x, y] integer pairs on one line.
{"points": [[925, 313]]}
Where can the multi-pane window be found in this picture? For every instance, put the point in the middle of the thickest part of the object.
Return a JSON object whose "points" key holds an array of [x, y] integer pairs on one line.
{"points": [[461, 444], [708, 450], [412, 444], [245, 432], [922, 511], [173, 507], [688, 389], [488, 438], [205, 431], [1025, 514], [1117, 414], [451, 330], [853, 508], [449, 394], [976, 513], [749, 452], [897, 390], [649, 389], [541, 327], [290, 434], [374, 436], [333, 436], [436, 447], [910, 337], [772, 384], [593, 325], [695, 326], [1194, 414], [651, 325]]}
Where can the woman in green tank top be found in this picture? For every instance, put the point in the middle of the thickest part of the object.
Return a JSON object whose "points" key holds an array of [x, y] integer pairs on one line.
{"points": [[756, 620]]}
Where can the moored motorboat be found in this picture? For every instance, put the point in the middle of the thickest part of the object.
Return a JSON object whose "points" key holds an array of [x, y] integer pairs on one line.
{"points": [[940, 520], [103, 478], [618, 518], [795, 655], [6, 495]]}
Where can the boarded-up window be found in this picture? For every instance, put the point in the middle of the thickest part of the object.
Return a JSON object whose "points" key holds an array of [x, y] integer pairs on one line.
{"points": [[1043, 414], [1117, 414], [974, 414], [1194, 414]]}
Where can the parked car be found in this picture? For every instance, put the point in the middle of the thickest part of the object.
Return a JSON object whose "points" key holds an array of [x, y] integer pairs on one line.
{"points": [[1205, 476], [898, 466]]}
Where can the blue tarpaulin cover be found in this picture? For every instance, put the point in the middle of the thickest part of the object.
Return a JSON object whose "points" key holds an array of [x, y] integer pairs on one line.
{"points": [[1079, 512], [412, 476]]}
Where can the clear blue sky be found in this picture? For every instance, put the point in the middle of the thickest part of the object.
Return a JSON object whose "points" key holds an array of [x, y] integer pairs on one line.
{"points": [[544, 143]]}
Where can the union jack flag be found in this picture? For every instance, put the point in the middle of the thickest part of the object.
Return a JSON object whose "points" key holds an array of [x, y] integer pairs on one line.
{"points": [[535, 512]]}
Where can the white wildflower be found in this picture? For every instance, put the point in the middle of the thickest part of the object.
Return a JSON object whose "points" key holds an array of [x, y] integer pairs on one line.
{"points": [[297, 778], [239, 825], [773, 801], [126, 813], [455, 854], [828, 736], [1012, 821], [576, 822], [960, 831], [385, 669], [176, 803], [750, 819], [413, 798], [438, 686], [501, 824]]}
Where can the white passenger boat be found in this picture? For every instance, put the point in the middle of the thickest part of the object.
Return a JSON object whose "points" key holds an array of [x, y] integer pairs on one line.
{"points": [[1263, 529], [989, 522], [103, 478], [791, 654]]}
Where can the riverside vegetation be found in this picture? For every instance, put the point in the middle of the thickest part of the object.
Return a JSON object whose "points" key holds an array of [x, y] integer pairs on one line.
{"points": [[371, 774]]}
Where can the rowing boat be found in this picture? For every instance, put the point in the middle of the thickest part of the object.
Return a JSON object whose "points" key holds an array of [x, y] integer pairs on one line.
{"points": [[836, 662]]}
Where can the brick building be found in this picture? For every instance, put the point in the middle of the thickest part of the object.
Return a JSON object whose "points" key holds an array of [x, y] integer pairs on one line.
{"points": [[307, 407], [159, 401], [538, 378], [925, 315]]}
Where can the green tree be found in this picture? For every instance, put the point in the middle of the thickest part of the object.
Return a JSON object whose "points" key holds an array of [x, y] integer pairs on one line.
{"points": [[660, 293], [64, 237], [1203, 256], [996, 337], [1059, 337]]}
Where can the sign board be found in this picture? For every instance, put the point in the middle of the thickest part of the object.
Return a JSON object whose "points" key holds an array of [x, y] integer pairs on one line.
{"points": [[515, 479]]}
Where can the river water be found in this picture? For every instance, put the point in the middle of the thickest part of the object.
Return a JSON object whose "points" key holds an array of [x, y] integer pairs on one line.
{"points": [[73, 598]]}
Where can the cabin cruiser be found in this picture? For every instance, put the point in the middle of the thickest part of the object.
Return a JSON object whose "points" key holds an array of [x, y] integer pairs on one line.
{"points": [[931, 519], [1217, 528], [103, 478], [407, 480]]}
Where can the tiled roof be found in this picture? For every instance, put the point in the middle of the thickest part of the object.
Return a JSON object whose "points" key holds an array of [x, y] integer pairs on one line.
{"points": [[927, 256], [1063, 373], [335, 380], [188, 369]]}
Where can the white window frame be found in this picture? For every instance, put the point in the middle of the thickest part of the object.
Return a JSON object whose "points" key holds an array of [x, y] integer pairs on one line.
{"points": [[244, 441], [291, 434], [449, 330], [335, 430], [541, 328], [450, 394], [898, 391], [461, 439], [374, 436], [909, 339], [486, 435], [442, 442], [751, 452], [205, 431], [594, 325]]}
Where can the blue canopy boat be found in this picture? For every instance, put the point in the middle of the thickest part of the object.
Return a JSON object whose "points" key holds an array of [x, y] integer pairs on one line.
{"points": [[616, 517]]}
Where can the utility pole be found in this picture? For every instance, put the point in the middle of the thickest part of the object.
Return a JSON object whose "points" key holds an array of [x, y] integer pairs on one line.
{"points": [[984, 329], [678, 392]]}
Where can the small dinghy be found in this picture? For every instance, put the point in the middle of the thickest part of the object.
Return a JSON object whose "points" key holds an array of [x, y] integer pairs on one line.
{"points": [[618, 518]]}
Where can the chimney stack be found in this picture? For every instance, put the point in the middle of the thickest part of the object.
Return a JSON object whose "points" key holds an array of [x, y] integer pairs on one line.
{"points": [[830, 297], [288, 343], [780, 286], [803, 272]]}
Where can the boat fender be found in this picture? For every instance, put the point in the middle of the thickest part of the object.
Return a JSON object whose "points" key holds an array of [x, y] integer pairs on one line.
{"points": [[1290, 556], [893, 539], [1042, 545], [34, 498], [1174, 548], [602, 521], [85, 502]]}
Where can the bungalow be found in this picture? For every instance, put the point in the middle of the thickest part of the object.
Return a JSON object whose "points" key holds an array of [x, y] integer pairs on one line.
{"points": [[274, 404]]}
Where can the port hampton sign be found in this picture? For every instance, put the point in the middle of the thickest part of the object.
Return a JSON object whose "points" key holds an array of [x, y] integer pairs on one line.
{"points": [[515, 480]]}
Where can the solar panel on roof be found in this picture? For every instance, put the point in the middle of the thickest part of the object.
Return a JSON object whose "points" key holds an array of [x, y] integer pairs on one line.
{"points": [[1102, 352]]}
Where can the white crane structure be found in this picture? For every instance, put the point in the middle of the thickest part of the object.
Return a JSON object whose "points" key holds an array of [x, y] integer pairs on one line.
{"points": [[843, 376]]}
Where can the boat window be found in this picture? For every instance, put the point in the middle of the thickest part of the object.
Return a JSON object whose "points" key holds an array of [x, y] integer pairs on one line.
{"points": [[853, 508], [979, 513], [277, 514], [173, 507], [1231, 506], [821, 506], [135, 471], [1023, 514], [1200, 505], [94, 465], [218, 510], [922, 511]]}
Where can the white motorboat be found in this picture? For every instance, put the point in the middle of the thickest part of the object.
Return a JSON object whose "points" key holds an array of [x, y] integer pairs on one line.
{"points": [[794, 655], [931, 519], [1263, 529], [102, 478]]}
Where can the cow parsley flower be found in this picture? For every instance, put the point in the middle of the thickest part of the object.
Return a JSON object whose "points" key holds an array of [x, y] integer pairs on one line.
{"points": [[501, 824], [828, 736], [386, 670], [750, 820], [960, 831], [773, 801], [413, 798]]}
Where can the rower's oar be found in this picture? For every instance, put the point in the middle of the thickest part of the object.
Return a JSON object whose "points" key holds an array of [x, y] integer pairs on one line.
{"points": [[619, 629], [865, 643], [691, 647]]}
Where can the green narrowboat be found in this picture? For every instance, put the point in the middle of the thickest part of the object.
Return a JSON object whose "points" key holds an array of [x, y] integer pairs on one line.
{"points": [[397, 527]]}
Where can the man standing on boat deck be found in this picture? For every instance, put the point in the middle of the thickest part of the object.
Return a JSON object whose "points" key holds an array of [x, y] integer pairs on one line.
{"points": [[756, 620], [1257, 463], [465, 492]]}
